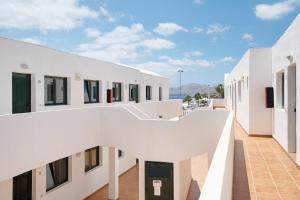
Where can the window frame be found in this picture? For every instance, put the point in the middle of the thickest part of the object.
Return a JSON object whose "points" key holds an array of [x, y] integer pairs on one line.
{"points": [[90, 87], [62, 182], [280, 90], [132, 87], [148, 95], [160, 93], [65, 91], [114, 99], [98, 162]]}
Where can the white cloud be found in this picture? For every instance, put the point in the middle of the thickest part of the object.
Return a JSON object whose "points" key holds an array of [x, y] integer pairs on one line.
{"points": [[216, 29], [192, 54], [106, 14], [168, 66], [199, 2], [167, 29], [158, 44], [123, 43], [91, 32], [248, 37], [226, 59], [198, 29], [43, 14], [276, 10], [32, 40]]}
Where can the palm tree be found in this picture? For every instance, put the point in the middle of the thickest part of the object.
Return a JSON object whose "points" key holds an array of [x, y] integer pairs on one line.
{"points": [[220, 90], [198, 96], [187, 98]]}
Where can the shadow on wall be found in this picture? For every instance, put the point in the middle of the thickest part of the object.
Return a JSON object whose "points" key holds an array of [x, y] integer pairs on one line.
{"points": [[194, 192], [240, 177]]}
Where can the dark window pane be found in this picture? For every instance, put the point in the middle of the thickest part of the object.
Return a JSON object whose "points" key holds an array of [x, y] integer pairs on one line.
{"points": [[117, 91], [56, 173], [148, 92], [91, 91], [55, 90], [91, 158]]}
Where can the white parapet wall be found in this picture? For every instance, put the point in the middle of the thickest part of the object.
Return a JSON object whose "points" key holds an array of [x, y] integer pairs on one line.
{"points": [[76, 130], [218, 182]]}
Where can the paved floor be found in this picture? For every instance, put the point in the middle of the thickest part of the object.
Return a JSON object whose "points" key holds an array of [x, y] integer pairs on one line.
{"points": [[128, 187], [262, 170], [129, 182]]}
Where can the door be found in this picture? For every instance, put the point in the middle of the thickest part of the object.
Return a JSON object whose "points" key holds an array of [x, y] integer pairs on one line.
{"points": [[21, 93], [136, 93], [159, 183], [291, 108], [22, 186]]}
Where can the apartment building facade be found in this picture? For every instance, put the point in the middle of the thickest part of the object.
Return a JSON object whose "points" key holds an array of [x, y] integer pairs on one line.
{"points": [[263, 91], [39, 79]]}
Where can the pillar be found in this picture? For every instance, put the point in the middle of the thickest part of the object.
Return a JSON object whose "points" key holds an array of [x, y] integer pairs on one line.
{"points": [[113, 178], [141, 179]]}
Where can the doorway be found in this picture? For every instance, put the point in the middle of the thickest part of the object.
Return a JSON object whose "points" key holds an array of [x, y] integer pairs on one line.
{"points": [[159, 183], [21, 93], [291, 108], [22, 186]]}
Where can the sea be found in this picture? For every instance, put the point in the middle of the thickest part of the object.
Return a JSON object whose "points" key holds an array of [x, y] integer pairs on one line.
{"points": [[177, 96]]}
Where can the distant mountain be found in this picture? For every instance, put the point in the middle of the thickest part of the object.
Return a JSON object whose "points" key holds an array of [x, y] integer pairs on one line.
{"points": [[191, 89]]}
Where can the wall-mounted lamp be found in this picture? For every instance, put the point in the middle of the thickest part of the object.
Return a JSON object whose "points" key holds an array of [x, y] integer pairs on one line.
{"points": [[24, 66], [290, 58], [78, 76]]}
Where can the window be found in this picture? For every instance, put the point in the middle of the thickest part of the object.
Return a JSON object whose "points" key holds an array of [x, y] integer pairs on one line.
{"points": [[91, 91], [240, 91], [56, 173], [92, 158], [55, 91], [117, 91], [120, 153], [160, 93], [280, 90], [148, 92], [133, 92]]}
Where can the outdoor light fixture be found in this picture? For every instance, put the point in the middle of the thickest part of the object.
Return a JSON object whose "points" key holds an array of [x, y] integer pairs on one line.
{"points": [[24, 66], [290, 58], [78, 76]]}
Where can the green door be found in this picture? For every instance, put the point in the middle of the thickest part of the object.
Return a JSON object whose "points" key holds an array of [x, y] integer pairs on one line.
{"points": [[136, 93], [21, 93], [22, 186]]}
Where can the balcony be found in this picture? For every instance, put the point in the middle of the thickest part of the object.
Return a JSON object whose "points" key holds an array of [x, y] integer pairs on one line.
{"points": [[148, 131]]}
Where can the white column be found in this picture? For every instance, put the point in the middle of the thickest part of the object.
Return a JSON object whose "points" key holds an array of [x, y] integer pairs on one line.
{"points": [[176, 174], [141, 179], [113, 184]]}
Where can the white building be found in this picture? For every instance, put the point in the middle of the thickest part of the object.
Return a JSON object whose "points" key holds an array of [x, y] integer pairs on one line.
{"points": [[273, 68], [63, 119]]}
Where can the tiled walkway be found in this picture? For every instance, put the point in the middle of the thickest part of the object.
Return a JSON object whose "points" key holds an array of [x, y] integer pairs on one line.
{"points": [[128, 187], [262, 170], [129, 182]]}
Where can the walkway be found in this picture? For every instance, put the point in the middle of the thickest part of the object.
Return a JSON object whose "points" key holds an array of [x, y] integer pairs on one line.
{"points": [[129, 182], [262, 170]]}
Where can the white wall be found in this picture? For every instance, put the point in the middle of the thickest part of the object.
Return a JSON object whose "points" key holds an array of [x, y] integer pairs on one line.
{"points": [[218, 182], [260, 77], [248, 81], [288, 44], [240, 73], [43, 61], [158, 140]]}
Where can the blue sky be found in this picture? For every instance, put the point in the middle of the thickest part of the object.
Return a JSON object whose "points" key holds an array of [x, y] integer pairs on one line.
{"points": [[205, 38]]}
